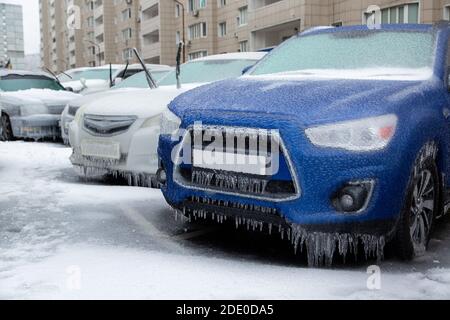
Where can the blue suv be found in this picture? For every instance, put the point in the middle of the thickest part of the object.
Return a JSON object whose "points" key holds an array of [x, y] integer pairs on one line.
{"points": [[339, 139]]}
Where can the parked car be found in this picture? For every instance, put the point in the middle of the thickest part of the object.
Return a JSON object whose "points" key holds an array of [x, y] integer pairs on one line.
{"points": [[136, 81], [358, 127], [97, 79], [31, 104], [118, 134]]}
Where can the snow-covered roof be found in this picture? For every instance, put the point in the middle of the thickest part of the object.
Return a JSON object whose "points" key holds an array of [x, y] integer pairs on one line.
{"points": [[235, 56], [6, 72], [114, 66], [154, 67]]}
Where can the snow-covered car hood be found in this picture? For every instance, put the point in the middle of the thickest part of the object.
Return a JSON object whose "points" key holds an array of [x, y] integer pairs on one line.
{"points": [[83, 100], [38, 96], [304, 101], [95, 84], [142, 103]]}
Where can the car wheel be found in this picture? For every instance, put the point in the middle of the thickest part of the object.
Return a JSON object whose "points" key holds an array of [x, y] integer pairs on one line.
{"points": [[421, 206], [6, 133]]}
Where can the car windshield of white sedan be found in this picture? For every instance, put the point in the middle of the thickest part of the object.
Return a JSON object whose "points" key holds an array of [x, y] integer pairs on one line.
{"points": [[365, 54], [17, 83], [90, 74], [139, 80], [207, 71]]}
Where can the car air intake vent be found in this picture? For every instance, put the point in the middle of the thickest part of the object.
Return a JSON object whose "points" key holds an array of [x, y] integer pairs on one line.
{"points": [[107, 125], [272, 178], [73, 110], [56, 110]]}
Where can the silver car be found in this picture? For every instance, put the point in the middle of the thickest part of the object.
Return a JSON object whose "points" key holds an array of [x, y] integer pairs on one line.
{"points": [[31, 104]]}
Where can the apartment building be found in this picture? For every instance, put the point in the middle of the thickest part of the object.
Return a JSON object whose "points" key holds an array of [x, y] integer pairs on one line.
{"points": [[11, 33], [110, 28], [78, 33]]}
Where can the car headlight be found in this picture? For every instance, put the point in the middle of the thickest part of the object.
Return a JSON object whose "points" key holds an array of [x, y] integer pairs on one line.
{"points": [[360, 135], [170, 122], [30, 110], [79, 116], [152, 122]]}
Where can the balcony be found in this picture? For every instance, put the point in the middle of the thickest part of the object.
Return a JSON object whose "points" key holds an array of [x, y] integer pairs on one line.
{"points": [[256, 4], [269, 13]]}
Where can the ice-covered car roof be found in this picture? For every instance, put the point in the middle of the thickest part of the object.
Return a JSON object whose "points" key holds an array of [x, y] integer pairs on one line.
{"points": [[383, 27], [7, 72]]}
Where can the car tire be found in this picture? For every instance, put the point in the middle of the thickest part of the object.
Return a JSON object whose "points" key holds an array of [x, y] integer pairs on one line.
{"points": [[422, 205], [6, 133]]}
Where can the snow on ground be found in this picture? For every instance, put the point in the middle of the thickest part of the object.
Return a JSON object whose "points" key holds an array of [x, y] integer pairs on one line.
{"points": [[63, 238]]}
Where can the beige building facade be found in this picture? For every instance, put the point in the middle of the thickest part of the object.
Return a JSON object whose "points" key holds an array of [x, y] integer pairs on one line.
{"points": [[110, 28], [79, 33]]}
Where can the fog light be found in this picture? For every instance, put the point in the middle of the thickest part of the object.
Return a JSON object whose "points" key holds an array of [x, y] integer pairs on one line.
{"points": [[161, 176], [353, 197]]}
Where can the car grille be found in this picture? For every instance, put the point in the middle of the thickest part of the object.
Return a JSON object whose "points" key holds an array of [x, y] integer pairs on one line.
{"points": [[107, 125], [281, 185], [73, 110], [56, 109]]}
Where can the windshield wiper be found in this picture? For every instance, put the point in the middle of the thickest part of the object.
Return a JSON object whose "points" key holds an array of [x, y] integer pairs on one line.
{"points": [[178, 69], [54, 75], [151, 82]]}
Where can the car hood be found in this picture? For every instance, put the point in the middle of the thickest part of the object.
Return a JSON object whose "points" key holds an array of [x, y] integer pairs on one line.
{"points": [[82, 100], [305, 101], [38, 96], [142, 103], [94, 83]]}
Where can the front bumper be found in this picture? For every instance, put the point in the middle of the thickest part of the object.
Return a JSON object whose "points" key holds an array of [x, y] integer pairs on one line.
{"points": [[320, 173], [66, 120], [138, 162], [36, 126]]}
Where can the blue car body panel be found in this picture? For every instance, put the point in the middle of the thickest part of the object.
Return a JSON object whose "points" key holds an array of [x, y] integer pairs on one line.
{"points": [[293, 106]]}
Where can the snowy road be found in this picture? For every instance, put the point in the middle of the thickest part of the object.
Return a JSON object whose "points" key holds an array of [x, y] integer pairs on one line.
{"points": [[62, 238]]}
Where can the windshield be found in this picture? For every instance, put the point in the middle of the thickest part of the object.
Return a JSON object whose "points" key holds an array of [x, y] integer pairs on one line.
{"points": [[89, 74], [365, 53], [207, 71], [139, 80], [16, 83]]}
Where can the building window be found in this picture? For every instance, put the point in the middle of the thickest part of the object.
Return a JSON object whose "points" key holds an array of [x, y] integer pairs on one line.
{"points": [[197, 55], [243, 46], [408, 13], [177, 10], [126, 14], [242, 18], [197, 31], [127, 34], [447, 13], [221, 3], [194, 5], [90, 22], [222, 30], [127, 54], [178, 37]]}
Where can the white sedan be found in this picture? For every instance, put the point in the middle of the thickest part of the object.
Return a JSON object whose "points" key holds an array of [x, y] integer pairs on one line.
{"points": [[135, 81], [118, 134]]}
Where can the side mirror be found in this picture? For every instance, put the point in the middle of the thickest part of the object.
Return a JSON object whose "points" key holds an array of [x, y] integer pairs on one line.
{"points": [[69, 89], [117, 81], [246, 69]]}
